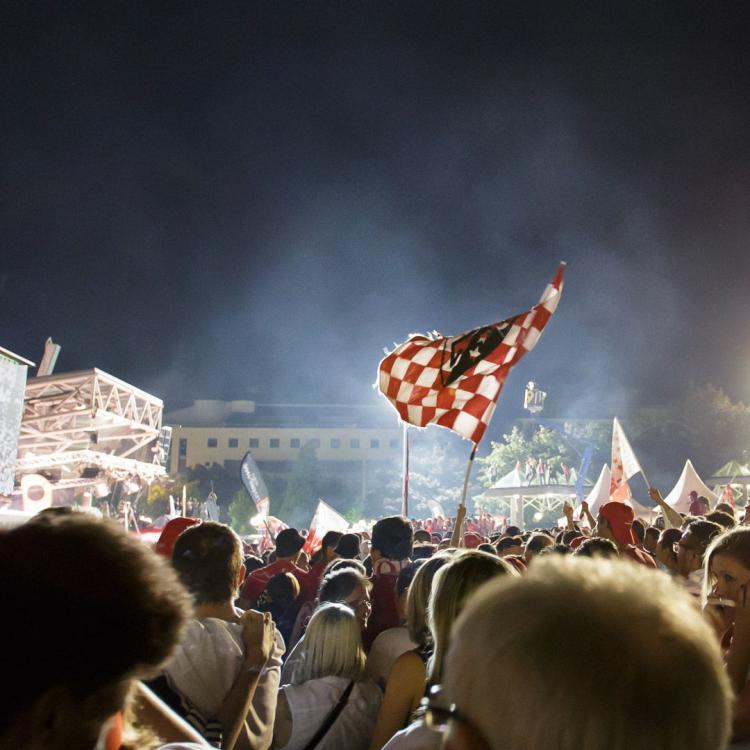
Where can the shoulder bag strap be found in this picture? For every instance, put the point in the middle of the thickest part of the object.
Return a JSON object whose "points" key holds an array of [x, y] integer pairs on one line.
{"points": [[331, 718]]}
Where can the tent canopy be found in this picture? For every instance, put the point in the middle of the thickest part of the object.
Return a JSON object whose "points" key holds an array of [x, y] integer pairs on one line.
{"points": [[689, 481]]}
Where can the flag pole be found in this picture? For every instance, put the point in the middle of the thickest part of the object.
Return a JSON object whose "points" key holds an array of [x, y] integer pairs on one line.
{"points": [[405, 486], [457, 536]]}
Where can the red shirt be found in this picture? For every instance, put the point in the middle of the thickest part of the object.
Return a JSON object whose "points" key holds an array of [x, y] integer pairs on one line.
{"points": [[383, 594], [309, 587], [255, 584], [639, 556]]}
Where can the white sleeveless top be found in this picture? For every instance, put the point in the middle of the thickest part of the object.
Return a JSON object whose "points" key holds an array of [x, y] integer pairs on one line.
{"points": [[312, 701]]}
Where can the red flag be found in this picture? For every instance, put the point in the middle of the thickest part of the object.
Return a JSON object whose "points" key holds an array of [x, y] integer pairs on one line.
{"points": [[325, 519], [454, 381]]}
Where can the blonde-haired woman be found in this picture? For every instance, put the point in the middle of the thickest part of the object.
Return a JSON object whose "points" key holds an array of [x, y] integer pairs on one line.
{"points": [[405, 687], [329, 703], [452, 587]]}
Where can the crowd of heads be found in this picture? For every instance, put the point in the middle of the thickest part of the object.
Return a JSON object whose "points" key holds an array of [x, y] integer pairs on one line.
{"points": [[609, 632]]}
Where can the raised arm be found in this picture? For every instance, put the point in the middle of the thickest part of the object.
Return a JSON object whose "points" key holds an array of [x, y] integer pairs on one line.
{"points": [[672, 519]]}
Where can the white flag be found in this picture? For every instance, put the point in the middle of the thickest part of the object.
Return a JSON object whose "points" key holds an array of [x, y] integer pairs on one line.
{"points": [[324, 520], [624, 464]]}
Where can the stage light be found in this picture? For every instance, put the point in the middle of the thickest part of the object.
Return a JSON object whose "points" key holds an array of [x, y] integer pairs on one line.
{"points": [[538, 516]]}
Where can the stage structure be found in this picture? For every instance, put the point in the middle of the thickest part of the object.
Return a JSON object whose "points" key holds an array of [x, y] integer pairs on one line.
{"points": [[90, 430]]}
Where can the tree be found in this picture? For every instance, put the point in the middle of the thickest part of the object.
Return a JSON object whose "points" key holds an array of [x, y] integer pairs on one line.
{"points": [[302, 489], [241, 510]]}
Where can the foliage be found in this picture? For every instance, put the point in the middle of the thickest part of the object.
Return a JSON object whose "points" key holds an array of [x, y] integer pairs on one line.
{"points": [[241, 510], [302, 490]]}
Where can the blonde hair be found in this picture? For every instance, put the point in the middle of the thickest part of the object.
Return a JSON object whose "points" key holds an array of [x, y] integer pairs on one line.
{"points": [[451, 587], [418, 598], [332, 645], [583, 654]]}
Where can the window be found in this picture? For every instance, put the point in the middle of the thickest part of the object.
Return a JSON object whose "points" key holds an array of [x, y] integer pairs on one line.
{"points": [[394, 444], [253, 443], [212, 442], [335, 443], [374, 443], [354, 443], [274, 443], [183, 447], [233, 442], [294, 443]]}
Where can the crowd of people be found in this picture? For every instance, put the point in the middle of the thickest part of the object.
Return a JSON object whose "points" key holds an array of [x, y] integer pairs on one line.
{"points": [[612, 632]]}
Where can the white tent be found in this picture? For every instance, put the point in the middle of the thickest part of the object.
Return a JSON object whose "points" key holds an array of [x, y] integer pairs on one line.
{"points": [[600, 492], [512, 479], [679, 497]]}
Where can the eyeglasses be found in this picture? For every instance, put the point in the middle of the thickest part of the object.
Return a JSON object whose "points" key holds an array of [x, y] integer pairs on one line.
{"points": [[438, 713]]}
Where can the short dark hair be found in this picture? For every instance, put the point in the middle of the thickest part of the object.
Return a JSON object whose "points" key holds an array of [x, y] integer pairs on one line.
{"points": [[537, 542], [597, 546], [348, 546], [639, 530], [208, 558], [94, 581], [652, 531], [512, 531], [668, 538], [509, 541], [723, 519], [393, 538], [704, 532]]}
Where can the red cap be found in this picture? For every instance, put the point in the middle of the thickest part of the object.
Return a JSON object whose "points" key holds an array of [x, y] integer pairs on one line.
{"points": [[472, 540], [620, 518], [170, 532]]}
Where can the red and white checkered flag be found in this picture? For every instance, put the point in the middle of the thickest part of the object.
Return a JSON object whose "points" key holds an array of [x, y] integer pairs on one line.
{"points": [[454, 381]]}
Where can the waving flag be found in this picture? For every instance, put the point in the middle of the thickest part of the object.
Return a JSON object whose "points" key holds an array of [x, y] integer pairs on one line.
{"points": [[254, 484], [454, 381], [624, 464], [325, 519]]}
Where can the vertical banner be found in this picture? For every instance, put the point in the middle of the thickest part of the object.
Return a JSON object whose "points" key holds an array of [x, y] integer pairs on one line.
{"points": [[12, 387]]}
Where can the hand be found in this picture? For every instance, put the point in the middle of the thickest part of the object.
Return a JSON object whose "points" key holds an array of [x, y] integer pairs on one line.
{"points": [[568, 510], [584, 507], [259, 637], [655, 495]]}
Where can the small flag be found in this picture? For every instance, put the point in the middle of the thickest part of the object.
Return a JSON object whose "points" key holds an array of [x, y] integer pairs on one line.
{"points": [[436, 509], [454, 381], [324, 520], [254, 484], [624, 464]]}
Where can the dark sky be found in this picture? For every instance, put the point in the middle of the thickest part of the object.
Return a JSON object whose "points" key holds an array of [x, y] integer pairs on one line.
{"points": [[210, 198]]}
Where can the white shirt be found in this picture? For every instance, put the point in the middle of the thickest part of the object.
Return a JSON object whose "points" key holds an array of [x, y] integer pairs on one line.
{"points": [[416, 736], [385, 649], [312, 701]]}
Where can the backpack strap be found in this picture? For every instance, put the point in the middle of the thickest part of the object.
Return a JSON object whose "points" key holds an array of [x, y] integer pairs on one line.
{"points": [[331, 718]]}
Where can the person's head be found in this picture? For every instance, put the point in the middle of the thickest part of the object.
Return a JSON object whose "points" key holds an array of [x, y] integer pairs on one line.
{"points": [[595, 546], [535, 544], [725, 508], [651, 539], [289, 542], [512, 531], [725, 520], [251, 563], [648, 653], [327, 549], [665, 554], [345, 563], [509, 545], [403, 584], [422, 536], [348, 546], [392, 539], [66, 676], [727, 563], [558, 548], [283, 589], [418, 598], [347, 586], [208, 559], [332, 645], [569, 535], [614, 522], [693, 545], [698, 504], [639, 531], [452, 585]]}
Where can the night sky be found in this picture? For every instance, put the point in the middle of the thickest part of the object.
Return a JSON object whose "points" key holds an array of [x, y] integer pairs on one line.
{"points": [[221, 200]]}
